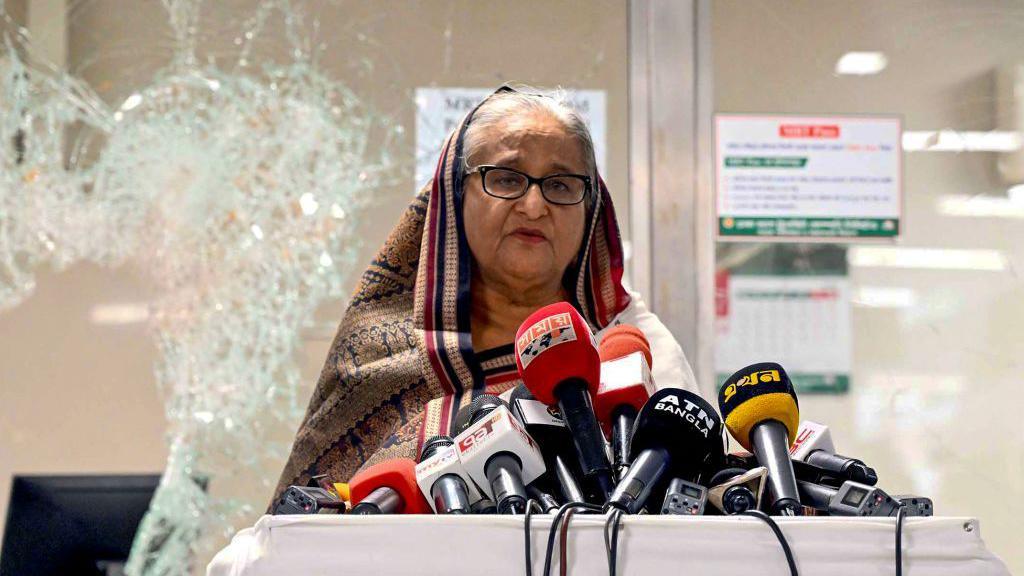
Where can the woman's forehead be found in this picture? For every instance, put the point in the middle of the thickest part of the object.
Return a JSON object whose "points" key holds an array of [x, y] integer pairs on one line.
{"points": [[521, 138]]}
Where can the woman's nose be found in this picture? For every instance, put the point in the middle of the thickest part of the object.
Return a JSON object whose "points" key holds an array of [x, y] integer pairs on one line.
{"points": [[532, 204]]}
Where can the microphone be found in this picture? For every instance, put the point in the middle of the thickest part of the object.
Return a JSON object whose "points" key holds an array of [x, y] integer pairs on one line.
{"points": [[568, 381], [547, 501], [388, 488], [736, 490], [761, 412], [498, 454], [545, 425], [442, 479], [814, 446], [850, 499], [625, 386], [678, 434]]}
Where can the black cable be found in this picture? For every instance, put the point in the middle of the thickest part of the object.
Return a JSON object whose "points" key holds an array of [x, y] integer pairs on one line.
{"points": [[608, 539], [615, 520], [899, 540], [530, 505], [778, 534], [549, 552]]}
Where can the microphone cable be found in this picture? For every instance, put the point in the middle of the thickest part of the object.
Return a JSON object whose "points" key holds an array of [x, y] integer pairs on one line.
{"points": [[778, 534], [563, 536], [531, 504], [899, 539], [611, 541], [549, 552]]}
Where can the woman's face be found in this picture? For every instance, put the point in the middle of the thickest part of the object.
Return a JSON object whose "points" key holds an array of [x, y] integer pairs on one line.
{"points": [[526, 242]]}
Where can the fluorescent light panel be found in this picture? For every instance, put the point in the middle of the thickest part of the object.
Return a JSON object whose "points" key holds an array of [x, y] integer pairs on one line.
{"points": [[926, 258], [861, 63], [1016, 193], [884, 297], [982, 206], [957, 141]]}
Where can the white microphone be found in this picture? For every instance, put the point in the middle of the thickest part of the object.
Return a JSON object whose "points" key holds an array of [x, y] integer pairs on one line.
{"points": [[814, 446], [442, 479], [810, 437], [499, 455]]}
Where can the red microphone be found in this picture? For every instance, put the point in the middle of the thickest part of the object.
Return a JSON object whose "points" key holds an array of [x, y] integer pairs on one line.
{"points": [[388, 488], [568, 381], [626, 385]]}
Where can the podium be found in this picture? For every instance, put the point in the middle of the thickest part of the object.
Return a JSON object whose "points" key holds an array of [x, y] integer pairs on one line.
{"points": [[494, 545]]}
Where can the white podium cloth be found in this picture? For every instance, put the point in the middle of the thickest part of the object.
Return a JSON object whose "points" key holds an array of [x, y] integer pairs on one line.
{"points": [[493, 545]]}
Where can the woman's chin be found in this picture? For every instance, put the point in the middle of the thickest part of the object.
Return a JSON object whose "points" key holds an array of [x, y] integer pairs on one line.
{"points": [[525, 273]]}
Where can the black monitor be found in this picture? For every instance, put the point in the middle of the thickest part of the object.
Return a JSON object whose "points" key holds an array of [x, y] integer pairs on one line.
{"points": [[73, 524]]}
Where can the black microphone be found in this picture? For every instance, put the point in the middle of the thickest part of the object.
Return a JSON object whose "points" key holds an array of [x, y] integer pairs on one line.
{"points": [[736, 490], [810, 472], [677, 435], [546, 426], [814, 446], [760, 410]]}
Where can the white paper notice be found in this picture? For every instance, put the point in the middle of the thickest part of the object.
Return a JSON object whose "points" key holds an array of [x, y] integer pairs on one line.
{"points": [[439, 110], [804, 176]]}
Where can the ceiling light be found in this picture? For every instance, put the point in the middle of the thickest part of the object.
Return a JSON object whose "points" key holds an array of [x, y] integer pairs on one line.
{"points": [[983, 206], [884, 297], [926, 258], [1016, 194], [861, 63], [957, 141]]}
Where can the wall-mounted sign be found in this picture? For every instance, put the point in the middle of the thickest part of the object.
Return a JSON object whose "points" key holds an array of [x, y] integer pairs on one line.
{"points": [[439, 110], [808, 176]]}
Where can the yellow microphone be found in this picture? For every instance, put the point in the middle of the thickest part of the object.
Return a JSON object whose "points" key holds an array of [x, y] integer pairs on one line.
{"points": [[760, 410]]}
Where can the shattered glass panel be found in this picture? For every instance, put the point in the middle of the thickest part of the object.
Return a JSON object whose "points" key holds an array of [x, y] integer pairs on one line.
{"points": [[247, 157]]}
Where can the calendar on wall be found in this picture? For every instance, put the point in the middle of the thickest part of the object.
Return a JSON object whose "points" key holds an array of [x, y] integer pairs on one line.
{"points": [[801, 322]]}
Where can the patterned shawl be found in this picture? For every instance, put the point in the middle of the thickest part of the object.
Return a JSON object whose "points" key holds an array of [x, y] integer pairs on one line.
{"points": [[402, 362]]}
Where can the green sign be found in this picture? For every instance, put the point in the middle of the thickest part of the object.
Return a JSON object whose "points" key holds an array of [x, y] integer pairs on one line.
{"points": [[809, 227]]}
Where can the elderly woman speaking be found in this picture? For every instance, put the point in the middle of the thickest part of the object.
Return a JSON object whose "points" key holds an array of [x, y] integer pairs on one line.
{"points": [[516, 218]]}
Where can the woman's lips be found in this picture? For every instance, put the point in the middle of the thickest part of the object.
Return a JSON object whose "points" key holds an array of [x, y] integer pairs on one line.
{"points": [[529, 235]]}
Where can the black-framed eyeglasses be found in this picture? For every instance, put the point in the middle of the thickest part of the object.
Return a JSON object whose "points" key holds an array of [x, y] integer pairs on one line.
{"points": [[509, 184]]}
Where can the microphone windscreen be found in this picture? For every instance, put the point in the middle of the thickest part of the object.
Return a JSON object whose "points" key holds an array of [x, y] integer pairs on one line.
{"points": [[461, 421], [624, 381], [484, 404], [553, 345], [684, 424], [757, 393], [433, 444], [398, 474], [623, 340]]}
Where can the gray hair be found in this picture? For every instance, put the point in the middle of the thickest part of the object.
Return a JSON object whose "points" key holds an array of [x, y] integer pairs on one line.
{"points": [[526, 100]]}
